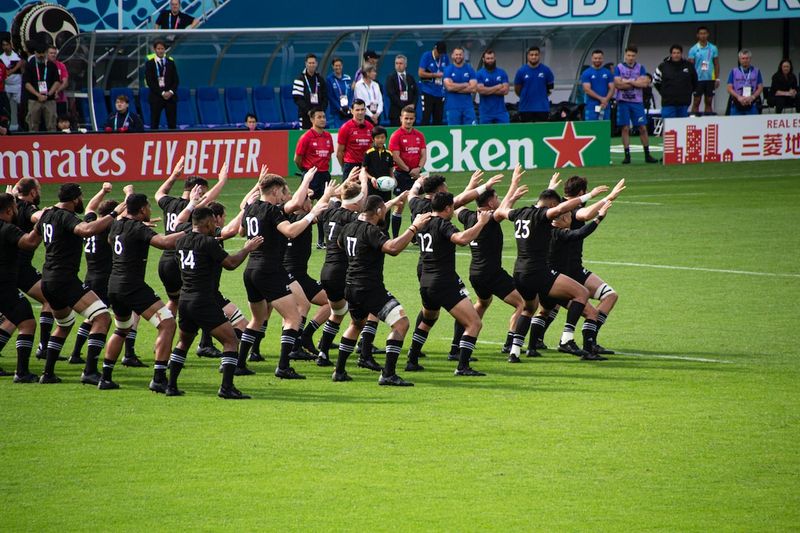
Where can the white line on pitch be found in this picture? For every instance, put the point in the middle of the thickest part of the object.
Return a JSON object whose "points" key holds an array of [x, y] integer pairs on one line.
{"points": [[676, 357]]}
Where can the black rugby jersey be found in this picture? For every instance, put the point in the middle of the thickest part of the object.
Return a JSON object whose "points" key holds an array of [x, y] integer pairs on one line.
{"points": [[63, 249], [200, 258], [97, 251], [437, 252], [487, 248], [263, 218], [130, 246], [363, 243]]}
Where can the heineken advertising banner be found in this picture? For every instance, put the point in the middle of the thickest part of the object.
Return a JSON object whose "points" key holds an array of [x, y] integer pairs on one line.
{"points": [[503, 146]]}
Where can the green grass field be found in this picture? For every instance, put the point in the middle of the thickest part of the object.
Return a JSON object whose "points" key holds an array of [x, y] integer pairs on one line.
{"points": [[696, 428]]}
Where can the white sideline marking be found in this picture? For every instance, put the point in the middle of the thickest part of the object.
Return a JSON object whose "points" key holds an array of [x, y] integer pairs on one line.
{"points": [[656, 356]]}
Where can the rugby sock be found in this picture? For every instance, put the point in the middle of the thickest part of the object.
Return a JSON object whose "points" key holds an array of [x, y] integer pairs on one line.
{"points": [[329, 331], [368, 338], [308, 332], [538, 325], [397, 221], [520, 330], [95, 345], [466, 347], [393, 348], [509, 340], [4, 338], [176, 361], [298, 342], [46, 322], [108, 369], [205, 339], [417, 341], [574, 312], [54, 345], [589, 332], [601, 319], [160, 371], [346, 347], [24, 348], [259, 335], [245, 343], [418, 321], [130, 344], [455, 344], [288, 336], [238, 333], [228, 362], [80, 338], [551, 316]]}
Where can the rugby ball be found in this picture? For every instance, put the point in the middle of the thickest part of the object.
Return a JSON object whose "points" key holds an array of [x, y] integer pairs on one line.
{"points": [[386, 183]]}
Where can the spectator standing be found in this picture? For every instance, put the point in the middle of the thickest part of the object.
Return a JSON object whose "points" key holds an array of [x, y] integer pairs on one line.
{"points": [[745, 86], [309, 91], [174, 19], [533, 84], [676, 80], [314, 149], [161, 76], [41, 85], [368, 90], [705, 58], [410, 153], [431, 83], [784, 87], [123, 120], [630, 80], [341, 95], [460, 83], [13, 85], [370, 58], [63, 74], [598, 89], [354, 139], [401, 88], [492, 88]]}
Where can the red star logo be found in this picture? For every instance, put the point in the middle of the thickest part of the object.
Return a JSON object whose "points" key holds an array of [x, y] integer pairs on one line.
{"points": [[569, 146]]}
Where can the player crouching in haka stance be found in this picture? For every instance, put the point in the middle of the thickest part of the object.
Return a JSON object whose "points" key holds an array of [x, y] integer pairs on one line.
{"points": [[532, 275], [200, 256], [366, 244]]}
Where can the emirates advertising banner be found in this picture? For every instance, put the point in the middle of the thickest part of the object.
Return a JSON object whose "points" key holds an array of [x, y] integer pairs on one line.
{"points": [[728, 139], [502, 146], [59, 158]]}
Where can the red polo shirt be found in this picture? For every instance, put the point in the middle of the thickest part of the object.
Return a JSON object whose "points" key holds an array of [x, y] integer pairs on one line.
{"points": [[316, 149], [410, 144], [356, 139]]}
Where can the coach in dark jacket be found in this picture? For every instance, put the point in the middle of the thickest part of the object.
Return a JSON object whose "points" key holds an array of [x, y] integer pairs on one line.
{"points": [[401, 88], [675, 79], [162, 79]]}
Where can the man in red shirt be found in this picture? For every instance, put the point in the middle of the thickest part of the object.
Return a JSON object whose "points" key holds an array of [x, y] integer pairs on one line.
{"points": [[409, 152], [314, 149], [355, 138]]}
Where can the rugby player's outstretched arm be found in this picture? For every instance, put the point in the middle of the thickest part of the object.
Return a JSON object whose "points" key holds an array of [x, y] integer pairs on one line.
{"points": [[399, 243], [234, 260], [507, 204], [97, 199], [299, 197], [589, 212], [463, 238], [177, 172], [569, 205]]}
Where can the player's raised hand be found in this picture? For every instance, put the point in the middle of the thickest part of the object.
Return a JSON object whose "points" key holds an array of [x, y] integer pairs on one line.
{"points": [[519, 193], [618, 188], [421, 219], [264, 172], [605, 208], [107, 187], [518, 172], [252, 197], [196, 194], [554, 181], [177, 171], [402, 197], [600, 189], [309, 175], [355, 174], [494, 180], [475, 179], [223, 172], [128, 190], [252, 244], [9, 189], [484, 217]]}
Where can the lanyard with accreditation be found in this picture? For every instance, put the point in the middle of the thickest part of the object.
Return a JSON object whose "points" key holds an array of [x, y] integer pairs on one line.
{"points": [[313, 93], [42, 79]]}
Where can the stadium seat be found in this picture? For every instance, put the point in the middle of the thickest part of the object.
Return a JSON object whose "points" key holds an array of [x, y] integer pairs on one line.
{"points": [[209, 107], [287, 103], [100, 107], [266, 106], [237, 104], [187, 109], [144, 102]]}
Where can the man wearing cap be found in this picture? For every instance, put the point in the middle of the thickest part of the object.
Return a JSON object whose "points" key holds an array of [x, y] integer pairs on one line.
{"points": [[370, 58], [401, 88], [309, 91], [431, 83]]}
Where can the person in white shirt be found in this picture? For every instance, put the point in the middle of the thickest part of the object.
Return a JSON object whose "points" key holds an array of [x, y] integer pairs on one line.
{"points": [[14, 67], [367, 89]]}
